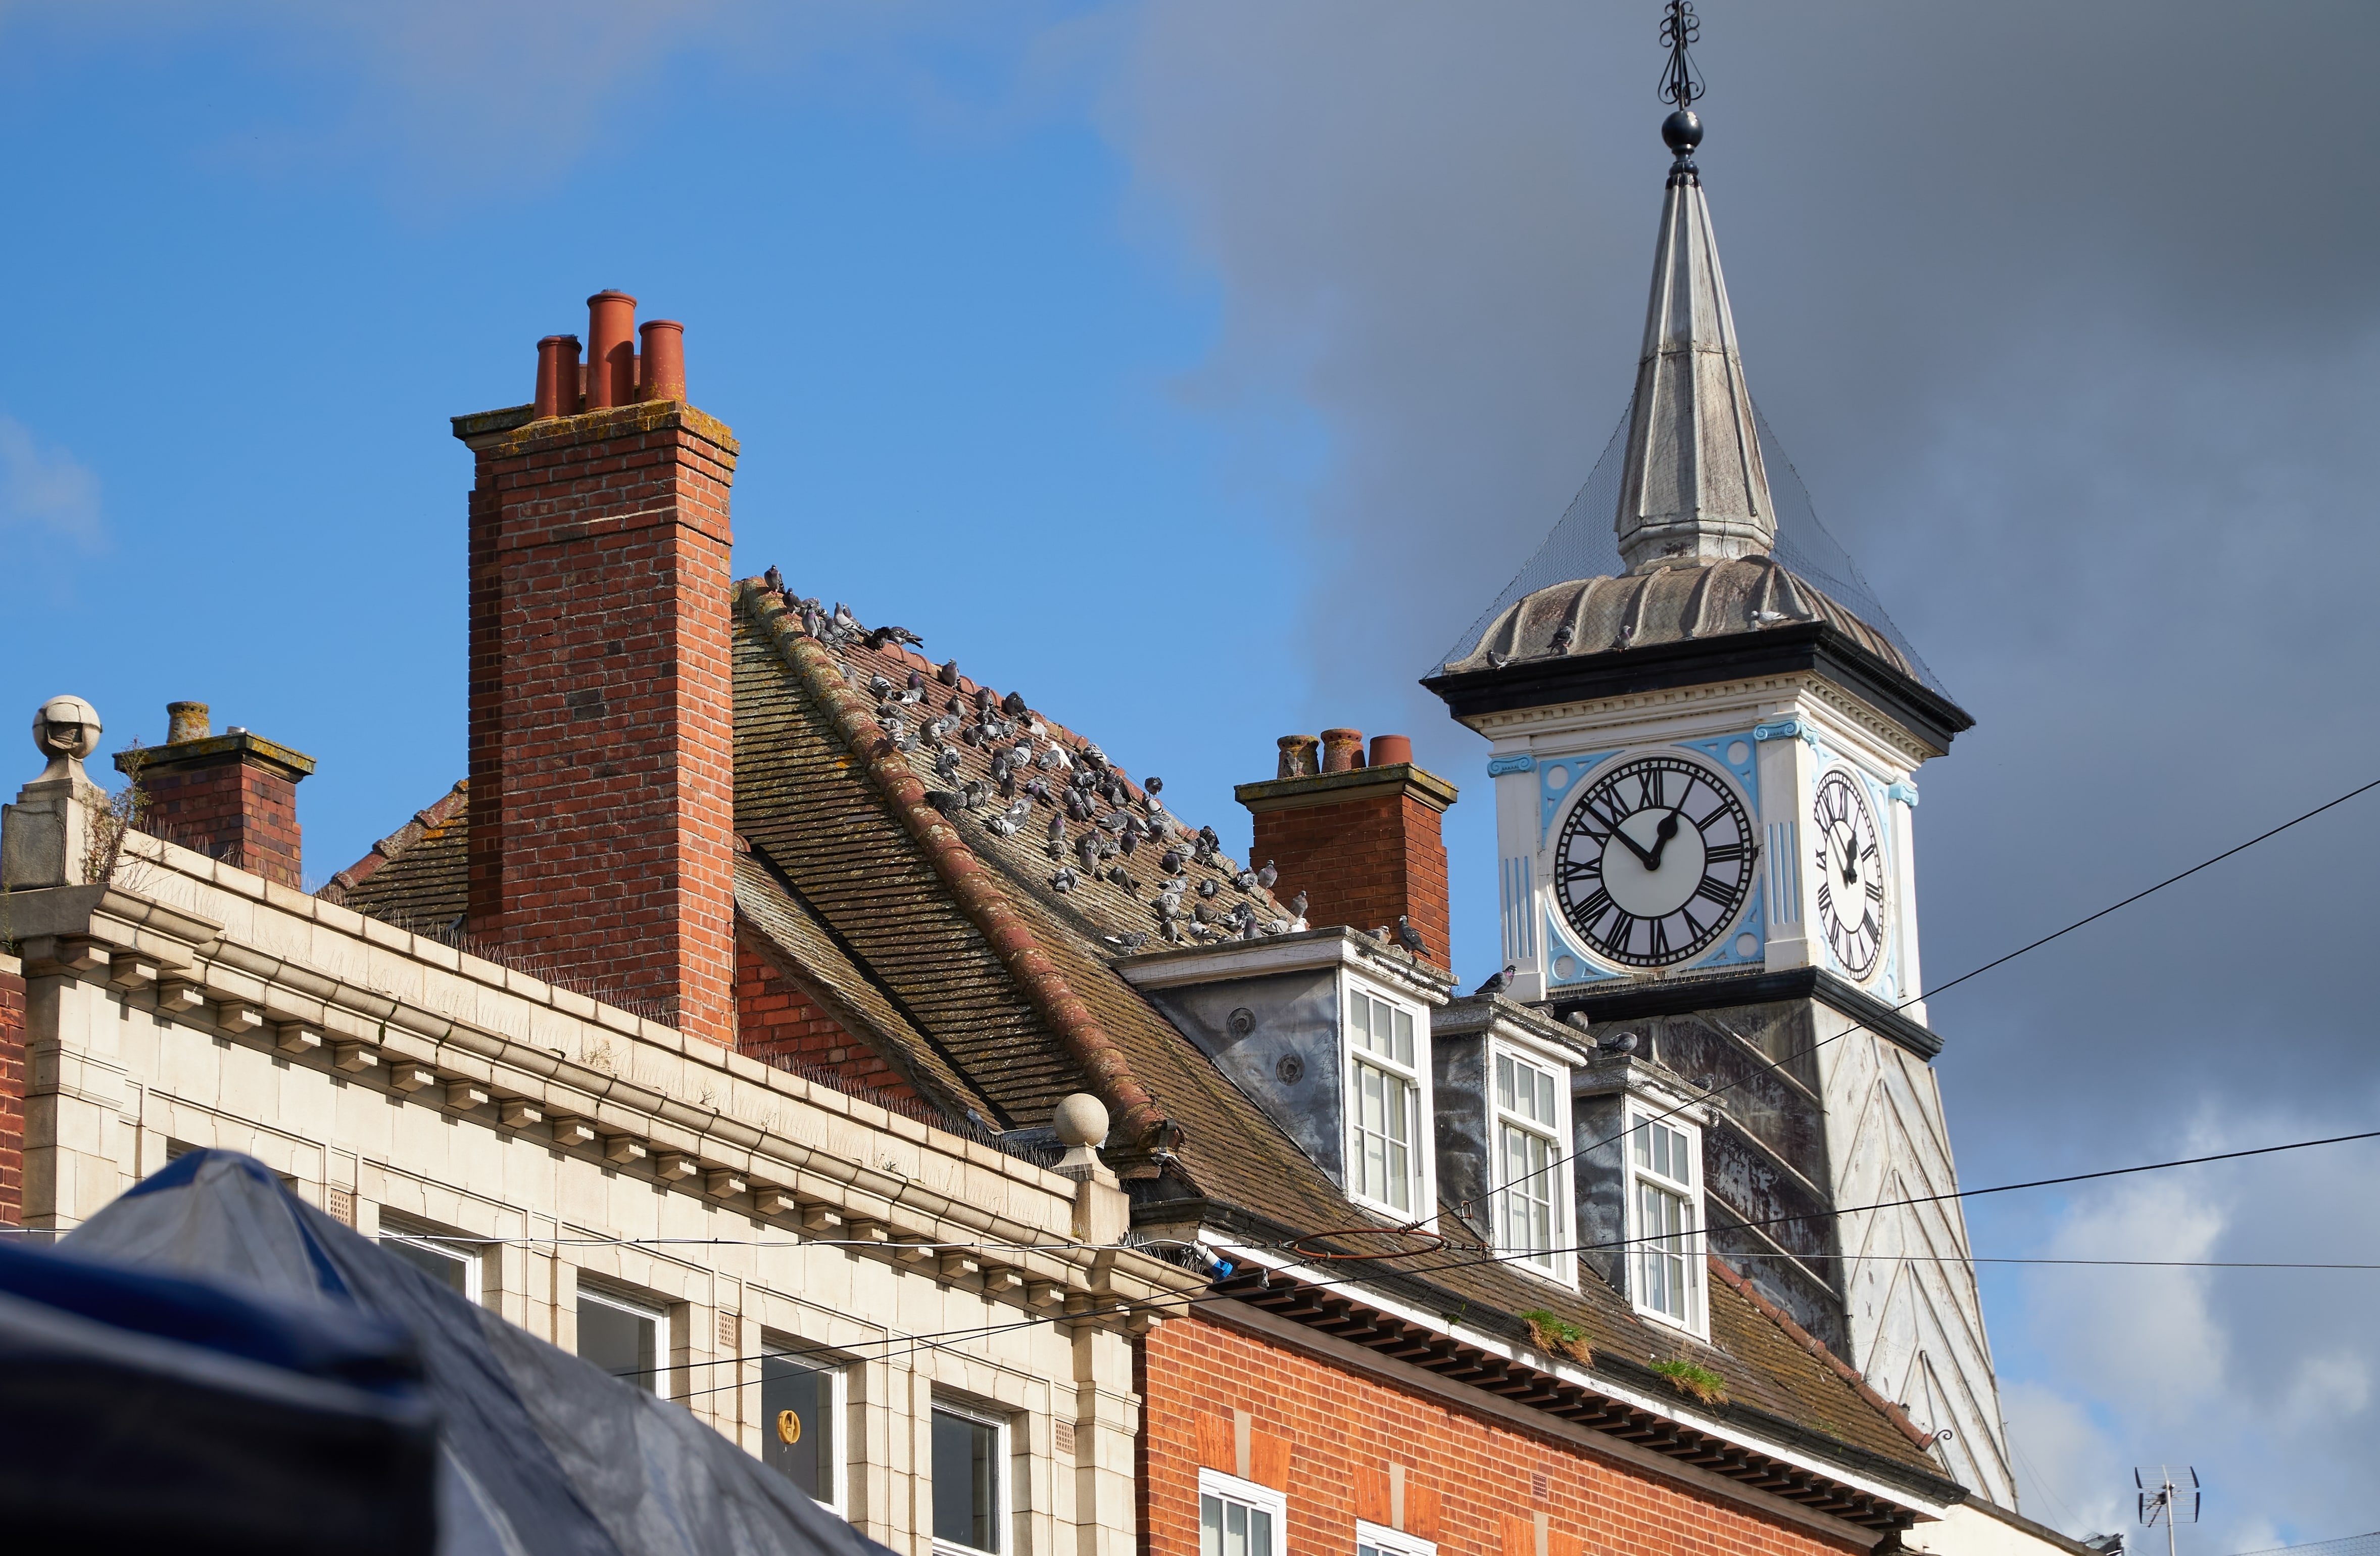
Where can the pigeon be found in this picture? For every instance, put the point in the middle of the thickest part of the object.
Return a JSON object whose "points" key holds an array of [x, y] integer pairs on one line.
{"points": [[1562, 638], [975, 793], [1174, 862], [1498, 982], [1618, 1042], [1208, 931], [1267, 876], [946, 766], [1244, 880], [1203, 914], [845, 621], [941, 727], [879, 687], [883, 634], [1121, 877], [1382, 934], [915, 692], [1077, 808], [1052, 759], [1208, 887], [949, 674], [1168, 906], [1012, 705], [1154, 784], [813, 624], [1007, 821], [1171, 929], [1410, 938], [1087, 846], [984, 700], [773, 580], [1496, 661], [1064, 880], [1131, 942], [1116, 792], [1765, 617], [945, 801], [1095, 758], [1297, 905]]}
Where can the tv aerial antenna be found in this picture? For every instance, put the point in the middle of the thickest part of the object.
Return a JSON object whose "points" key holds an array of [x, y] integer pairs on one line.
{"points": [[2164, 1500]]}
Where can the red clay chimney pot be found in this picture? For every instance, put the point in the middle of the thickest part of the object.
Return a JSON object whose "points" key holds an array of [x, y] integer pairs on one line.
{"points": [[1342, 750], [611, 350], [664, 360], [549, 379], [1389, 750]]}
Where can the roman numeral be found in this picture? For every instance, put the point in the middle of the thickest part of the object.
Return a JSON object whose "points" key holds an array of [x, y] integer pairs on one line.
{"points": [[1722, 853], [1721, 893], [1589, 869], [1648, 789], [1660, 930]]}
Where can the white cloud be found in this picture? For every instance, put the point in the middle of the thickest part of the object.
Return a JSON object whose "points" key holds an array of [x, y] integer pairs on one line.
{"points": [[43, 488]]}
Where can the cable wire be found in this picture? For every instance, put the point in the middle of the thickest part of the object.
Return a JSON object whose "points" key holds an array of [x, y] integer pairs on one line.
{"points": [[1777, 1065]]}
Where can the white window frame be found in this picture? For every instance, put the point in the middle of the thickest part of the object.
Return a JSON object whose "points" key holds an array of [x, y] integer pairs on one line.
{"points": [[1695, 1281], [1559, 1263], [1391, 1542], [1421, 1153], [1248, 1494], [472, 1259], [1003, 1493], [838, 1373], [655, 1314]]}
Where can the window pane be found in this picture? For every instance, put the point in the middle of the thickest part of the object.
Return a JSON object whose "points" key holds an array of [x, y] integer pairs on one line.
{"points": [[1642, 1143], [806, 1396], [1404, 1050], [1503, 1081], [1210, 1525], [1359, 1008], [1259, 1532], [966, 1481], [619, 1342], [1545, 1098], [451, 1269]]}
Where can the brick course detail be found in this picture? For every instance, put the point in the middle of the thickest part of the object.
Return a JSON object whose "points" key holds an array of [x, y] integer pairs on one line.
{"points": [[1362, 862], [775, 1019], [1361, 1447], [12, 1097], [601, 727]]}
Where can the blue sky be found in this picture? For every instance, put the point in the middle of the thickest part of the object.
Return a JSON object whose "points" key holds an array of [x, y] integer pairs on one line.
{"points": [[1201, 368]]}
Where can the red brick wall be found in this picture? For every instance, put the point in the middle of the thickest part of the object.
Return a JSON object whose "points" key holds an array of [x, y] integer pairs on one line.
{"points": [[228, 809], [775, 1019], [12, 1099], [1471, 1484], [601, 724], [1362, 862]]}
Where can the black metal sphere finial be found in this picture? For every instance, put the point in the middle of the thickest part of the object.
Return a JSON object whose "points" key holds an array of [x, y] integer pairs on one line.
{"points": [[1682, 131]]}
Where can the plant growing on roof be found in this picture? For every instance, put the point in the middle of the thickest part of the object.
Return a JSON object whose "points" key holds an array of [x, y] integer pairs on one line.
{"points": [[1558, 1335], [125, 811], [1688, 1378]]}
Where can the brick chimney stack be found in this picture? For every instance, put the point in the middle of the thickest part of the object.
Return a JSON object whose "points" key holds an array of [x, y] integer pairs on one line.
{"points": [[602, 797], [232, 796], [1360, 839]]}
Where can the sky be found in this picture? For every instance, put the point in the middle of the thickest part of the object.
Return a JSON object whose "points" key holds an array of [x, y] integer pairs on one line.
{"points": [[1201, 369]]}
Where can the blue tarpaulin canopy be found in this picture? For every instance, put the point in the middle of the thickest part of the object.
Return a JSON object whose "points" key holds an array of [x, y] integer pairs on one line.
{"points": [[214, 1365]]}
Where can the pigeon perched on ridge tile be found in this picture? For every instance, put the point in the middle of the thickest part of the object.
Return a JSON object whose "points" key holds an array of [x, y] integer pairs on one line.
{"points": [[1244, 880], [946, 801], [949, 674], [883, 634], [1297, 905], [1155, 783], [773, 580], [1410, 937], [1267, 876], [1012, 705], [1498, 982]]}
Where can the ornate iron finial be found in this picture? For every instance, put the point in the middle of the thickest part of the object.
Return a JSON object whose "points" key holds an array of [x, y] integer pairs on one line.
{"points": [[1681, 131], [1679, 30]]}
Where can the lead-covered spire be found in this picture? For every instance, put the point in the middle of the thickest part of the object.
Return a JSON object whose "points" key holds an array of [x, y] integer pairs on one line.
{"points": [[1692, 487]]}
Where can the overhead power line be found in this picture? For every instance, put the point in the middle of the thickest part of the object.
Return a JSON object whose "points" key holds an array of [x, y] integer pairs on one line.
{"points": [[1777, 1065]]}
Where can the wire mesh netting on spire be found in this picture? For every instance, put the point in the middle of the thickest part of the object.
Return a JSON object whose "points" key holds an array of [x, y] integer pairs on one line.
{"points": [[1585, 544]]}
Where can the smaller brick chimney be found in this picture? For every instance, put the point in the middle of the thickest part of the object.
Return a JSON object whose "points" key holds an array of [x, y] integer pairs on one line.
{"points": [[1360, 839], [232, 796]]}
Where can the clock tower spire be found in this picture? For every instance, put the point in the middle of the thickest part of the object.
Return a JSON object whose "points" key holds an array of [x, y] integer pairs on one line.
{"points": [[1705, 774]]}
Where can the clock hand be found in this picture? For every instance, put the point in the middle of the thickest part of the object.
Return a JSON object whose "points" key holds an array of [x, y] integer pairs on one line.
{"points": [[1649, 860], [1661, 835]]}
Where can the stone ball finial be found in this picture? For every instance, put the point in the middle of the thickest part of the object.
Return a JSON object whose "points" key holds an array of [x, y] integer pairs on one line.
{"points": [[1081, 1120], [66, 726]]}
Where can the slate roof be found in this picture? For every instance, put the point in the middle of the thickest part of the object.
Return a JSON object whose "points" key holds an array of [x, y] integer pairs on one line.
{"points": [[949, 947]]}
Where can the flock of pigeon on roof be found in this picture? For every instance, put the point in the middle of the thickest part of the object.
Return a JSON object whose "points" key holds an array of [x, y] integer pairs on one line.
{"points": [[997, 761]]}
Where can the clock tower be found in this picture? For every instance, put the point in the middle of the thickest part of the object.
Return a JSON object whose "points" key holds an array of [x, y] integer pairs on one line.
{"points": [[1705, 769]]}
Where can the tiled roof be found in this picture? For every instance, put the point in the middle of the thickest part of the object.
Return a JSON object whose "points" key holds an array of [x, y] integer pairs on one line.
{"points": [[953, 949], [417, 875]]}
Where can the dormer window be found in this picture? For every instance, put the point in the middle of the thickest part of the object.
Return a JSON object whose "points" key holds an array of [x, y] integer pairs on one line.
{"points": [[1384, 1163], [1664, 1230], [1529, 1126]]}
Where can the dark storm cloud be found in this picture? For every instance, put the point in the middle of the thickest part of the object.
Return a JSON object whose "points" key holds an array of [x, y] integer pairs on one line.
{"points": [[2065, 314]]}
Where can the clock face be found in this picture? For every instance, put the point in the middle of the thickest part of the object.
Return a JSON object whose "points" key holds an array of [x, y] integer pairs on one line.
{"points": [[1850, 871], [1655, 862]]}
